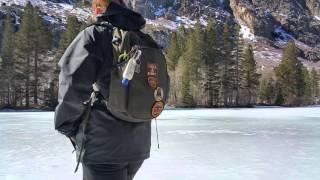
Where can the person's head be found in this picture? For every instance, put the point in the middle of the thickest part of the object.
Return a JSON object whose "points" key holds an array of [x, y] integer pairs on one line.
{"points": [[100, 6]]}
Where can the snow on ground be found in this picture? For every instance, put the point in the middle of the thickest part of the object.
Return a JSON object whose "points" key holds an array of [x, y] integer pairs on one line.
{"points": [[317, 18], [195, 144], [267, 57]]}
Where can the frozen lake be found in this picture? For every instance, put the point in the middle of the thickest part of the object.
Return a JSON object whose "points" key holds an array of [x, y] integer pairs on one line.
{"points": [[223, 144]]}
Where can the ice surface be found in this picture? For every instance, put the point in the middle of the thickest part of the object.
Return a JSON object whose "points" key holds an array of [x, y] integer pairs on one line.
{"points": [[202, 144], [317, 18]]}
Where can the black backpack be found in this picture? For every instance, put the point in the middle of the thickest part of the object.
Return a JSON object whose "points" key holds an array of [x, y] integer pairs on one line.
{"points": [[142, 98]]}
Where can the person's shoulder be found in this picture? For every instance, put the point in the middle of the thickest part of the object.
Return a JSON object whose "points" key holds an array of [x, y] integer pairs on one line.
{"points": [[97, 29]]}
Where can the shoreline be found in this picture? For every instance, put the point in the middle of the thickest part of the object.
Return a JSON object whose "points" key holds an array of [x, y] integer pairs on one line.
{"points": [[8, 110]]}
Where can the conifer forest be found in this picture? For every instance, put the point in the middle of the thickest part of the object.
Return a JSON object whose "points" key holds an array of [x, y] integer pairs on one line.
{"points": [[209, 66]]}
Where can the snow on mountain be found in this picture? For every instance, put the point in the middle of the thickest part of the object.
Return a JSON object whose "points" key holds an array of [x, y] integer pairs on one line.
{"points": [[160, 11], [171, 25], [246, 33], [179, 21], [268, 54], [54, 12]]}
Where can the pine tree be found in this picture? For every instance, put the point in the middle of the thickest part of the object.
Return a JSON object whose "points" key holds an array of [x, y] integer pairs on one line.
{"points": [[42, 40], [24, 45], [7, 55], [212, 80], [267, 90], [196, 51], [251, 77], [72, 29], [301, 83], [182, 38], [187, 98], [194, 54], [290, 76], [189, 60], [307, 91], [173, 56], [238, 59], [173, 52], [226, 69], [314, 85]]}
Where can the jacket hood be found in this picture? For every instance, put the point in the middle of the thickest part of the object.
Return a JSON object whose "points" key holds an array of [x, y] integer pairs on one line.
{"points": [[122, 17]]}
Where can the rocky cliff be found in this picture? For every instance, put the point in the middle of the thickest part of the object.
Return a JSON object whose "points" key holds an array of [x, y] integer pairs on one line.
{"points": [[268, 24]]}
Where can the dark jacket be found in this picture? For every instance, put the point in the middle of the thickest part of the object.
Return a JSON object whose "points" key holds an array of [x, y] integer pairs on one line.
{"points": [[87, 60]]}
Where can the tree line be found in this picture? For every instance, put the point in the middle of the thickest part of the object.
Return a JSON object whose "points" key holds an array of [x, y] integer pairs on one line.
{"points": [[29, 72], [212, 67], [209, 66], [290, 83]]}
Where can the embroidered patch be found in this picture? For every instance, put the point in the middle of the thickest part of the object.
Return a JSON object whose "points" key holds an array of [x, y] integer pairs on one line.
{"points": [[158, 94], [153, 82], [157, 109], [152, 69], [152, 74]]}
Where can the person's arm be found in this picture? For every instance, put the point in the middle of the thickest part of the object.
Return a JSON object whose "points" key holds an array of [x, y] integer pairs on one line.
{"points": [[78, 73]]}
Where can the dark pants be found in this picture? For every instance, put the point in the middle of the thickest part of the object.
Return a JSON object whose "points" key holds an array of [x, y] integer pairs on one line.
{"points": [[124, 171]]}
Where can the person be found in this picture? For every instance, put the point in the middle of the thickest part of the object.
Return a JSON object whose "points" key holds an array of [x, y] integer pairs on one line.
{"points": [[113, 149]]}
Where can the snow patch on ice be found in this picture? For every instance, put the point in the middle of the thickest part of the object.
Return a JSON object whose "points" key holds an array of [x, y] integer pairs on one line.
{"points": [[194, 132]]}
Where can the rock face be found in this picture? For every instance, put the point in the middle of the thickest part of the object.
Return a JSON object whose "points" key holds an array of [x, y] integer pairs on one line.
{"points": [[300, 18], [148, 8], [314, 7], [277, 21], [297, 17], [274, 21], [155, 8]]}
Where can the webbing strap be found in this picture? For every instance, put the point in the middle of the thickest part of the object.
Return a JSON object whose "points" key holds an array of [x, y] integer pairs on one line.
{"points": [[88, 106]]}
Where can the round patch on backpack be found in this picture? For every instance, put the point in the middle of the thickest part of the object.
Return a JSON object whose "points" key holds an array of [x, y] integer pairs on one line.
{"points": [[157, 109], [153, 82], [158, 94]]}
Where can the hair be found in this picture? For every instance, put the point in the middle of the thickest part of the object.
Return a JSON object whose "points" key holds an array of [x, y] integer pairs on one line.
{"points": [[100, 3]]}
